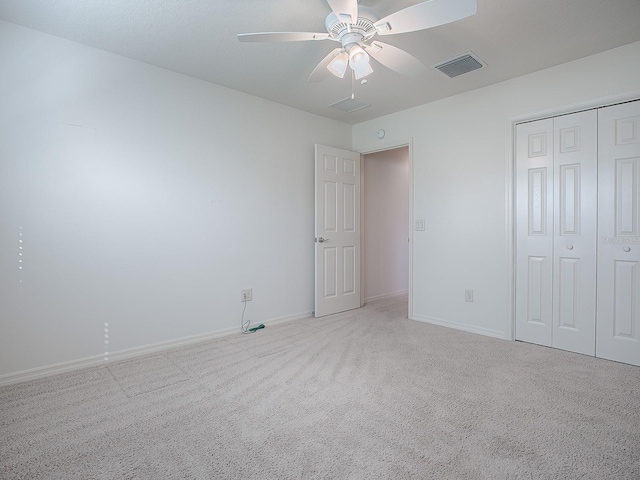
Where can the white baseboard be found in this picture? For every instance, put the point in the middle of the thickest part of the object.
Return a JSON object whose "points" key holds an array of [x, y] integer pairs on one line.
{"points": [[461, 326], [95, 360], [386, 296]]}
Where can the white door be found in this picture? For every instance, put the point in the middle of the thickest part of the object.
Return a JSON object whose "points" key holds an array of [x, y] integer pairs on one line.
{"points": [[534, 232], [574, 251], [618, 330], [556, 232], [337, 258]]}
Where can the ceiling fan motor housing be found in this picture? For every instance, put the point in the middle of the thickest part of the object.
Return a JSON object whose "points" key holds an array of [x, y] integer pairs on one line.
{"points": [[350, 40], [356, 32]]}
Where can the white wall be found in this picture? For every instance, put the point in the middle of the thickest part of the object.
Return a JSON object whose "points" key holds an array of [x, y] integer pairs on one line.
{"points": [[386, 222], [146, 199], [460, 172]]}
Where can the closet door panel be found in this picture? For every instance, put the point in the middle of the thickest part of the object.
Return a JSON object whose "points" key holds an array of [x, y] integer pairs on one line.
{"points": [[534, 231], [574, 225], [618, 326]]}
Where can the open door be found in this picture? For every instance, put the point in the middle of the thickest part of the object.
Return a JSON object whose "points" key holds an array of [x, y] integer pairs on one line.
{"points": [[337, 253]]}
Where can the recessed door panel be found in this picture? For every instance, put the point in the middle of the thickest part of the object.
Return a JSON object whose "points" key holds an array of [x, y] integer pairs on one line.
{"points": [[569, 294], [627, 131], [330, 263], [330, 163], [330, 199], [349, 166], [570, 199], [349, 193], [537, 142], [349, 270], [569, 139], [627, 196], [538, 201], [536, 283], [625, 300]]}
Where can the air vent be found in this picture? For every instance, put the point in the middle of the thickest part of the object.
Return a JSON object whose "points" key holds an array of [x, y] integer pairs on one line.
{"points": [[349, 105], [460, 65]]}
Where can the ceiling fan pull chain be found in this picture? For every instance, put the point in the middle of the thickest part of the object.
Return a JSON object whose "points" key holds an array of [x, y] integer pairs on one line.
{"points": [[353, 92]]}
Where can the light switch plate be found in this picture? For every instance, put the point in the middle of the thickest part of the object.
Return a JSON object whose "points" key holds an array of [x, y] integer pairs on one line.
{"points": [[419, 225]]}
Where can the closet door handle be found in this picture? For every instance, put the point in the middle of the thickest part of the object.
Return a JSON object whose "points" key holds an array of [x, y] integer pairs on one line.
{"points": [[570, 247]]}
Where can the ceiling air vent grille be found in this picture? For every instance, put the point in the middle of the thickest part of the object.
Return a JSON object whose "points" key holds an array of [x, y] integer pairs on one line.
{"points": [[460, 65], [349, 105]]}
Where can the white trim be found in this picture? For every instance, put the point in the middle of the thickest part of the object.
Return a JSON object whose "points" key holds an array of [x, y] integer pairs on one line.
{"points": [[510, 127], [384, 296], [461, 326], [362, 224], [411, 203], [510, 230], [577, 107], [391, 145], [96, 360]]}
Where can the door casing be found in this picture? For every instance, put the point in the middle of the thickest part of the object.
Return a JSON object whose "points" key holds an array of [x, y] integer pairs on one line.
{"points": [[392, 145]]}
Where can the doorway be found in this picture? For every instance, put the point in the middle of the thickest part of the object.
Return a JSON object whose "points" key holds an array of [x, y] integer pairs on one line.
{"points": [[385, 220]]}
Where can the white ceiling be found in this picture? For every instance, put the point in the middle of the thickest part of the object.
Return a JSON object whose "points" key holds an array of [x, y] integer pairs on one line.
{"points": [[198, 38]]}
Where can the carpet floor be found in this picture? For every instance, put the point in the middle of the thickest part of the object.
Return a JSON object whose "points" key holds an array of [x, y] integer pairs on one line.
{"points": [[365, 394]]}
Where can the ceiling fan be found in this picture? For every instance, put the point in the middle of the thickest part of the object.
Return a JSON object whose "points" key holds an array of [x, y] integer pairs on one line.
{"points": [[355, 27]]}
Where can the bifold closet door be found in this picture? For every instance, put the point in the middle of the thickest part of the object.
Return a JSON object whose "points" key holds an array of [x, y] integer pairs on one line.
{"points": [[575, 171], [534, 232], [556, 232], [618, 328]]}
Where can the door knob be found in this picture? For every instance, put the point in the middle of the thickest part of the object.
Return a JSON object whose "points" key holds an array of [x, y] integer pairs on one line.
{"points": [[322, 240], [570, 247], [627, 249]]}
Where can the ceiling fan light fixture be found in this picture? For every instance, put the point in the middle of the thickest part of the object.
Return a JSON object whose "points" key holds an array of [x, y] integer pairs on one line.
{"points": [[362, 71], [338, 66], [359, 62], [357, 55]]}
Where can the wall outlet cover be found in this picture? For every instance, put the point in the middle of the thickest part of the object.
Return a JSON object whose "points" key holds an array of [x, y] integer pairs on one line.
{"points": [[246, 294]]}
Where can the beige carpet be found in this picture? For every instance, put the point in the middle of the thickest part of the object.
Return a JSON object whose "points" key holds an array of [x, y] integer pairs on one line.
{"points": [[362, 395]]}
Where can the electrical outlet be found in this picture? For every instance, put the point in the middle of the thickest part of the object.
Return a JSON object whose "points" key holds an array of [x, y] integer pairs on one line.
{"points": [[468, 295], [246, 295]]}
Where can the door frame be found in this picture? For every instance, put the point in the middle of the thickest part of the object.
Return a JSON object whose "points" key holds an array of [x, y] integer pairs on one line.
{"points": [[384, 146], [510, 184]]}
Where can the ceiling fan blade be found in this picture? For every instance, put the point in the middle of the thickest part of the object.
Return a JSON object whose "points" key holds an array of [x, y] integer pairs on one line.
{"points": [[282, 36], [426, 15], [345, 7], [321, 72], [395, 58]]}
